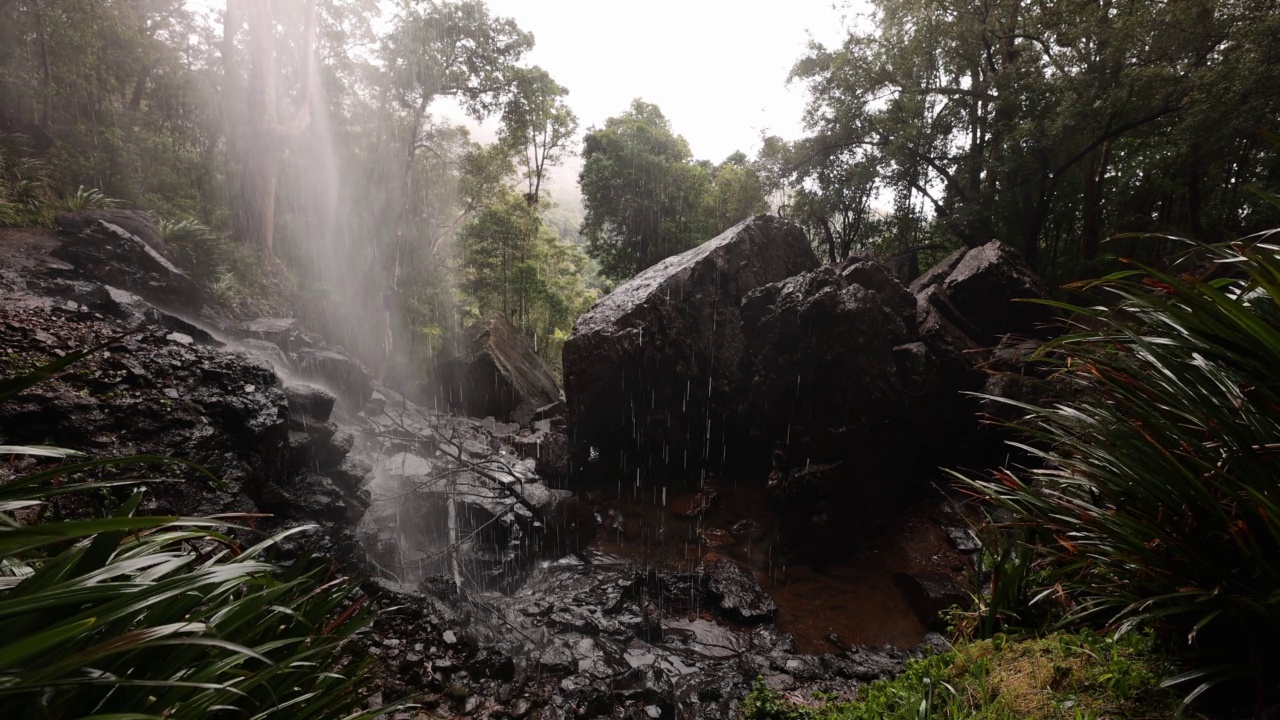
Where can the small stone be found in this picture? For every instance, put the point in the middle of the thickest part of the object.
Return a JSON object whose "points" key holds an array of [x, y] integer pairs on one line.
{"points": [[171, 393], [653, 711], [178, 337], [963, 539], [449, 637], [250, 388]]}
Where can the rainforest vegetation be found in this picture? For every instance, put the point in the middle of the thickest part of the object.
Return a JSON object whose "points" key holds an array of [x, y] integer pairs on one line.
{"points": [[385, 172]]}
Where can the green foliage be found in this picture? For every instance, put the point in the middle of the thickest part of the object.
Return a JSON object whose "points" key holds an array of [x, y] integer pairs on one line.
{"points": [[88, 199], [1155, 503], [162, 616], [233, 273], [1050, 126], [1005, 578], [539, 125], [647, 200], [510, 263], [104, 613], [1059, 677], [26, 198]]}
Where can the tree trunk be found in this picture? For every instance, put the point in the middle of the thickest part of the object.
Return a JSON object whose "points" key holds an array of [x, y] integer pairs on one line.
{"points": [[46, 79], [831, 239], [263, 135], [140, 87], [1091, 219]]}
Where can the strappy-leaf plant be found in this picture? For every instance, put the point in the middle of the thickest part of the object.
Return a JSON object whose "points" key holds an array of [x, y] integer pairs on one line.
{"points": [[125, 616], [1156, 498]]}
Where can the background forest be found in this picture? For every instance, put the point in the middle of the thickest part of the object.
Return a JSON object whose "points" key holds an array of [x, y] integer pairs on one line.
{"points": [[389, 172]]}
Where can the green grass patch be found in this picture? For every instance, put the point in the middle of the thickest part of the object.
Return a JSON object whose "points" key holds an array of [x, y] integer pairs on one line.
{"points": [[1057, 677]]}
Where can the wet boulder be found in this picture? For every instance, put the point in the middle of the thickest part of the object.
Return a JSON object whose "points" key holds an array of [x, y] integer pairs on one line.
{"points": [[134, 222], [822, 377], [930, 594], [548, 449], [308, 404], [342, 373], [655, 364], [110, 255], [986, 288], [736, 592], [285, 333], [495, 372]]}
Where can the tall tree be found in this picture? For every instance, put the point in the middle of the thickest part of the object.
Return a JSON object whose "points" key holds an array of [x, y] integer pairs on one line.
{"points": [[538, 123], [645, 197], [258, 132], [1006, 119]]}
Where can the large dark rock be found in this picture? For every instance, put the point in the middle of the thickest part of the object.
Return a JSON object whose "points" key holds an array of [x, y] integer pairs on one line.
{"points": [[134, 222], [986, 287], [343, 374], [108, 254], [859, 384], [930, 594], [823, 381], [653, 367], [736, 592], [495, 373], [155, 392], [548, 449]]}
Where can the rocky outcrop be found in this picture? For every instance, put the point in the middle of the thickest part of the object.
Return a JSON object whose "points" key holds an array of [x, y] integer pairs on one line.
{"points": [[497, 373], [855, 383], [858, 383], [653, 367], [821, 371], [108, 254], [134, 222], [988, 286]]}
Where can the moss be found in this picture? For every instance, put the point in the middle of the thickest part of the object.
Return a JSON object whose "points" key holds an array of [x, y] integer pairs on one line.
{"points": [[1058, 677]]}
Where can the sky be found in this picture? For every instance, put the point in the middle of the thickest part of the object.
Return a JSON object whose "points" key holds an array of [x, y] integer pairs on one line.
{"points": [[717, 68]]}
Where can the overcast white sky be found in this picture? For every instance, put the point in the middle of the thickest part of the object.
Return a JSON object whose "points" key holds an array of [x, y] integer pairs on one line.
{"points": [[717, 68]]}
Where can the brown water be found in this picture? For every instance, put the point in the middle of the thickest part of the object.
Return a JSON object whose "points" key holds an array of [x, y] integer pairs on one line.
{"points": [[850, 601]]}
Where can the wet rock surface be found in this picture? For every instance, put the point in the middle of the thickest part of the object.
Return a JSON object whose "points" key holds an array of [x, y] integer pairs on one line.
{"points": [[849, 385], [544, 625], [112, 256], [668, 343], [495, 372], [134, 222]]}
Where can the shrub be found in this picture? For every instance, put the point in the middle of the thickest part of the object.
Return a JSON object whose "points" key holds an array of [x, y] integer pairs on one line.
{"points": [[1059, 677], [233, 273], [1157, 503], [26, 197], [111, 615]]}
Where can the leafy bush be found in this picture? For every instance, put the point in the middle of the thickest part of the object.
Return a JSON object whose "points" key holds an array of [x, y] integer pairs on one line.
{"points": [[235, 274], [119, 616], [88, 199], [1158, 501], [1059, 677], [26, 198]]}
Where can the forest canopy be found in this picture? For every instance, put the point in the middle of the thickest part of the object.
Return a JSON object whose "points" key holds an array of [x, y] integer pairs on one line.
{"points": [[1049, 126]]}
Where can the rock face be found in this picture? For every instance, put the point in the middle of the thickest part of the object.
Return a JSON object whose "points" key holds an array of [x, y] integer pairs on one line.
{"points": [[821, 370], [495, 373], [134, 222], [108, 254], [852, 381], [858, 382], [985, 287], [657, 360]]}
